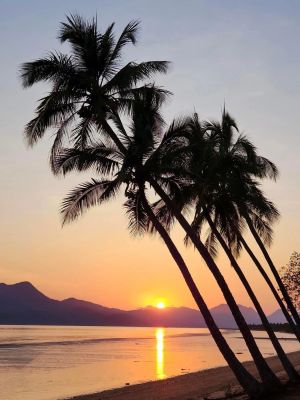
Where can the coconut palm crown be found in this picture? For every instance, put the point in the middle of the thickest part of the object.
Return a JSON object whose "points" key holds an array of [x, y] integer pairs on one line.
{"points": [[89, 86]]}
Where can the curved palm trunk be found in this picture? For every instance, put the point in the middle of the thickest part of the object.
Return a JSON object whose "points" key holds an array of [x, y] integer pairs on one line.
{"points": [[288, 366], [272, 287], [282, 288], [246, 380], [267, 375]]}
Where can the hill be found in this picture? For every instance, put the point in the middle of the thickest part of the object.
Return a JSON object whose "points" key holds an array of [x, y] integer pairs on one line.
{"points": [[22, 303]]}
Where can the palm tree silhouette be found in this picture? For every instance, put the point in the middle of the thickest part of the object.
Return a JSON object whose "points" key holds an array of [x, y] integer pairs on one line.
{"points": [[253, 208], [89, 87], [215, 157]]}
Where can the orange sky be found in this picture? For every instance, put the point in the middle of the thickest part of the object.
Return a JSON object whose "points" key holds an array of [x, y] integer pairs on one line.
{"points": [[95, 258]]}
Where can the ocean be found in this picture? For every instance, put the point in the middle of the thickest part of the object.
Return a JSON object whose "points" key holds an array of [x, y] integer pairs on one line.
{"points": [[55, 362]]}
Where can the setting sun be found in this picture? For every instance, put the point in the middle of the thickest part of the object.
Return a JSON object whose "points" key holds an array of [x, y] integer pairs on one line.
{"points": [[160, 304]]}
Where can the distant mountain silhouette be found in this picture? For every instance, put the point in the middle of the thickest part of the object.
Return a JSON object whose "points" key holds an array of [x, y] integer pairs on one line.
{"points": [[277, 317], [22, 303], [224, 318]]}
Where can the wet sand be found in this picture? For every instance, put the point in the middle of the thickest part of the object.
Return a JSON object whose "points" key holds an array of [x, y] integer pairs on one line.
{"points": [[212, 383]]}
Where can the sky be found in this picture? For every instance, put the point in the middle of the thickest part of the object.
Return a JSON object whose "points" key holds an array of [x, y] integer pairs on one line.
{"points": [[243, 53]]}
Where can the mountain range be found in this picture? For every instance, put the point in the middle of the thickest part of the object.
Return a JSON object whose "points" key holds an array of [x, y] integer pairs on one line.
{"points": [[23, 304]]}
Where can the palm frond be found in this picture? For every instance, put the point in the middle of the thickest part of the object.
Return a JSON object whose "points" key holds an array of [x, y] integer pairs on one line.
{"points": [[99, 158], [132, 73], [72, 29], [56, 68], [57, 145], [244, 147], [228, 121], [127, 36], [82, 133], [179, 127], [211, 244], [266, 168], [84, 40], [164, 214], [105, 66], [263, 228], [53, 110], [87, 195], [135, 210]]}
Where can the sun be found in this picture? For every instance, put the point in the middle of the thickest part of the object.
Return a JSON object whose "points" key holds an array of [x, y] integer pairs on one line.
{"points": [[160, 305]]}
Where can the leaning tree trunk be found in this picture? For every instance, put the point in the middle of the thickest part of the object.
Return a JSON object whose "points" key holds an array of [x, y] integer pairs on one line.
{"points": [[247, 381], [288, 366], [267, 375], [272, 287], [282, 288]]}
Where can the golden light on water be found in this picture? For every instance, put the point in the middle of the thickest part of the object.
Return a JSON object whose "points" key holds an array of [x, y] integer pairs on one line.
{"points": [[160, 363]]}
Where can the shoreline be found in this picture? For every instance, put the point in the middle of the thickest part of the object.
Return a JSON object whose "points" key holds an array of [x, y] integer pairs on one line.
{"points": [[190, 386]]}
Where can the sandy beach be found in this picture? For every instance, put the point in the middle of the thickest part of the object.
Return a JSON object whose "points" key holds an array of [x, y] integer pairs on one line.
{"points": [[210, 383]]}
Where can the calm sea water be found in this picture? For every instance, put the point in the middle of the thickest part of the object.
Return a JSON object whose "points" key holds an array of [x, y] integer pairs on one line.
{"points": [[50, 363]]}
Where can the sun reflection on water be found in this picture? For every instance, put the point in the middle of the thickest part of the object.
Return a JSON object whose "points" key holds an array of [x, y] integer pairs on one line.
{"points": [[160, 366]]}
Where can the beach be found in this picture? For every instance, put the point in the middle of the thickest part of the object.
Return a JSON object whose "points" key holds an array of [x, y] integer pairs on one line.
{"points": [[211, 383]]}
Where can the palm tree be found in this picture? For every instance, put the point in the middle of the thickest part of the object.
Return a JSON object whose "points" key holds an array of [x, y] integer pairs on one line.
{"points": [[88, 90], [253, 207], [212, 166], [89, 87], [265, 168]]}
